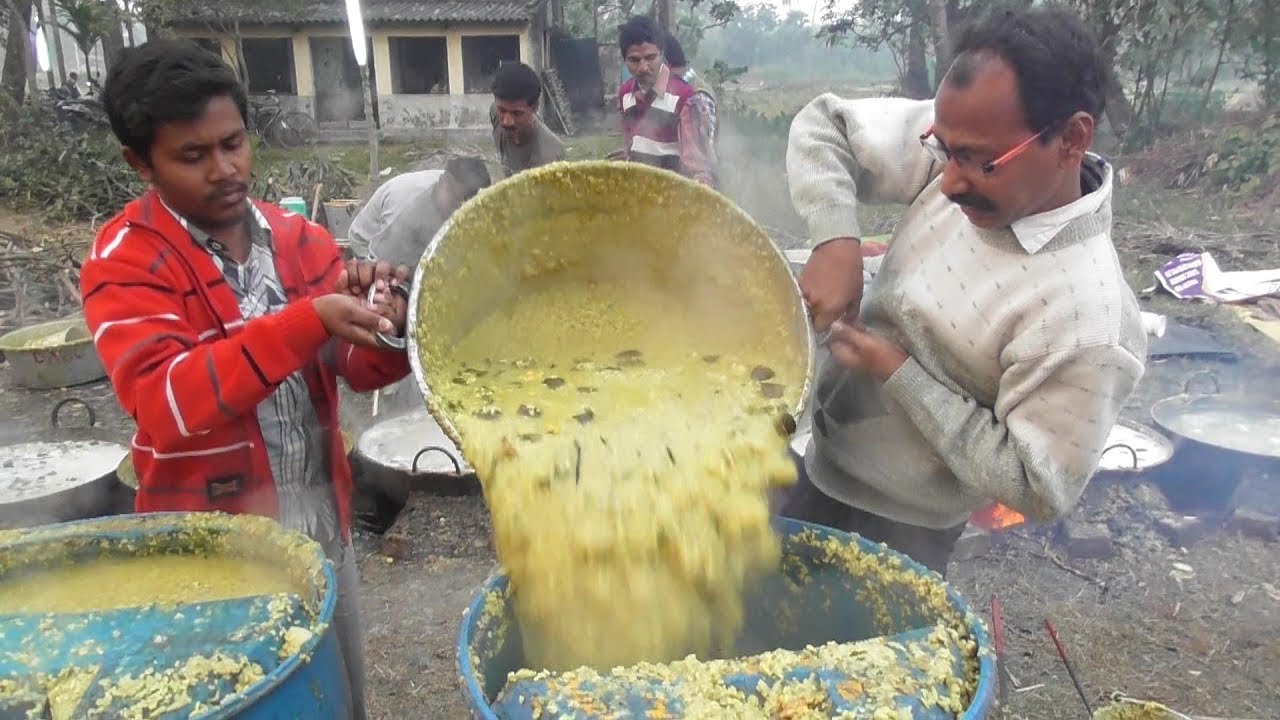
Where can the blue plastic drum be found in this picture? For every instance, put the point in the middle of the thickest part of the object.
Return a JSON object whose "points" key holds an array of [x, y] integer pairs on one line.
{"points": [[254, 657], [860, 592]]}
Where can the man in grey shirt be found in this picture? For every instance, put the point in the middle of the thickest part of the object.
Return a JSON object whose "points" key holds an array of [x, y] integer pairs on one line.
{"points": [[523, 141], [398, 223], [406, 211]]}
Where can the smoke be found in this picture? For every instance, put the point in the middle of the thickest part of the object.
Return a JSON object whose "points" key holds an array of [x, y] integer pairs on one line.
{"points": [[752, 165]]}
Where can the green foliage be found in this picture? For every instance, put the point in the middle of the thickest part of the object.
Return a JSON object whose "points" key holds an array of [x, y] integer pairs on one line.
{"points": [[1262, 41], [81, 176], [87, 21], [754, 124], [1244, 158], [721, 74]]}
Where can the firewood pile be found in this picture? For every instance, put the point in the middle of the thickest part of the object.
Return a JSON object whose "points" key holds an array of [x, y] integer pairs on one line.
{"points": [[39, 276]]}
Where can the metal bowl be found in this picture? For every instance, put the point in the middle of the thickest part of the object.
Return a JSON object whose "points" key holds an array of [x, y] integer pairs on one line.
{"points": [[600, 221], [54, 354]]}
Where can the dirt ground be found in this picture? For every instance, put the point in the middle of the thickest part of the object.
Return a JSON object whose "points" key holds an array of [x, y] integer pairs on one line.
{"points": [[1206, 644]]}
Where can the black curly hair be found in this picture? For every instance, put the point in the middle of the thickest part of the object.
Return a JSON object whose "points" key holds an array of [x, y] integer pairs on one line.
{"points": [[164, 81]]}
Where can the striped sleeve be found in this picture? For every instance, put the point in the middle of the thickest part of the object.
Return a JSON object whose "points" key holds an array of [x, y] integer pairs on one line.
{"points": [[175, 382]]}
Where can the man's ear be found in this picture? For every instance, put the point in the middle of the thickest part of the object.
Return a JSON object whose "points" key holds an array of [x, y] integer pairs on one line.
{"points": [[136, 162], [1077, 136]]}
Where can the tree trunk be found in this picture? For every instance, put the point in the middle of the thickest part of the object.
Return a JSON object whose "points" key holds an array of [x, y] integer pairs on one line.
{"points": [[38, 6], [20, 17], [126, 19], [915, 81], [366, 89], [941, 31], [58, 50], [667, 15], [1223, 41], [112, 41], [241, 67], [17, 52]]}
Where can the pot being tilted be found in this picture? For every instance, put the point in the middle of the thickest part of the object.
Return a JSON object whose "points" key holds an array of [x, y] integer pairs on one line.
{"points": [[564, 221]]}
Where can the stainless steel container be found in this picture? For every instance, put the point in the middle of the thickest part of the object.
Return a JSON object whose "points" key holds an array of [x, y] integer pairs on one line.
{"points": [[600, 221]]}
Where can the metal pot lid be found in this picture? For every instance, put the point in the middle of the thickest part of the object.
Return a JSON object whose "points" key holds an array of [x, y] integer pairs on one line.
{"points": [[1252, 428], [1134, 447], [39, 469], [396, 442]]}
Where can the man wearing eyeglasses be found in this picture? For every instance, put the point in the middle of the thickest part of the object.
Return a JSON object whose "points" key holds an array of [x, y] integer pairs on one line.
{"points": [[995, 349]]}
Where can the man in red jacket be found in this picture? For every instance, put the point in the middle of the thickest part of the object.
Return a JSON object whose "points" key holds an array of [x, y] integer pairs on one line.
{"points": [[224, 323]]}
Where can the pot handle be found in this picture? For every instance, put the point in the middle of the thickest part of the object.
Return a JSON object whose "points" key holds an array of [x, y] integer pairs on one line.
{"points": [[1132, 452], [388, 342], [57, 409], [1217, 388], [457, 468]]}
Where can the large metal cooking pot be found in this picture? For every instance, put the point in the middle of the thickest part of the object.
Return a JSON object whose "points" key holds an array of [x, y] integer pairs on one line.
{"points": [[411, 452], [54, 354], [598, 221], [68, 475], [1219, 440], [1132, 449]]}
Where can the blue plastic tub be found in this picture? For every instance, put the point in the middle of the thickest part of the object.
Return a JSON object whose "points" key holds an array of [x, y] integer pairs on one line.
{"points": [[303, 677], [783, 612]]}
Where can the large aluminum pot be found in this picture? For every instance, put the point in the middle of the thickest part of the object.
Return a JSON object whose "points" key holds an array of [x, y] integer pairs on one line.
{"points": [[54, 354], [599, 221]]}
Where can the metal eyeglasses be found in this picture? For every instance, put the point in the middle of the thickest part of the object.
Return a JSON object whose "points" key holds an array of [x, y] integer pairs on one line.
{"points": [[942, 154]]}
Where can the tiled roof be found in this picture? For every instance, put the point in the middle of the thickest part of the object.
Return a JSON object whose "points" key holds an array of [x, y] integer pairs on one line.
{"points": [[376, 12]]}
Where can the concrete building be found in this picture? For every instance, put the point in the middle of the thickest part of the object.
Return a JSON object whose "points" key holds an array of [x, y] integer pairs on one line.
{"points": [[431, 60]]}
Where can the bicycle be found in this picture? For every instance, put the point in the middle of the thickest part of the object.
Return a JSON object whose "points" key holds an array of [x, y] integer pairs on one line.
{"points": [[274, 125]]}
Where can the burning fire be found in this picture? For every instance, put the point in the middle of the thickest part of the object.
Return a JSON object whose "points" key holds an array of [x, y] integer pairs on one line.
{"points": [[997, 517]]}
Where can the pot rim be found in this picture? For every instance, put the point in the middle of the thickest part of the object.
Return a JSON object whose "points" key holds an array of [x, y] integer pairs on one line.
{"points": [[419, 273], [360, 448], [8, 341], [1163, 413]]}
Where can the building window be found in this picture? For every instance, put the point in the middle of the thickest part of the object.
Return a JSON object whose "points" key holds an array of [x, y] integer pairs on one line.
{"points": [[269, 62], [481, 57], [419, 66]]}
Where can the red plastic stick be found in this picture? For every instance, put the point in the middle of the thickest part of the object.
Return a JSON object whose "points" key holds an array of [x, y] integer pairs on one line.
{"points": [[1062, 653]]}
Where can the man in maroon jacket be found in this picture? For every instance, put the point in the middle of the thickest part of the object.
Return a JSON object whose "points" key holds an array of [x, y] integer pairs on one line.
{"points": [[224, 323], [658, 123]]}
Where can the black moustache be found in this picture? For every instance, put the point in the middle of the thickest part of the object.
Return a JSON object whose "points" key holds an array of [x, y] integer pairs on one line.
{"points": [[977, 202]]}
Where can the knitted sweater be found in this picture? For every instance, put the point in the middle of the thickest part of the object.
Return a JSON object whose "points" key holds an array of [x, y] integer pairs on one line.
{"points": [[1024, 342], [191, 370]]}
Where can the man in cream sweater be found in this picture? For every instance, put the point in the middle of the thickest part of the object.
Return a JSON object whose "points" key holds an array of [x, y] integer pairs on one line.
{"points": [[999, 342]]}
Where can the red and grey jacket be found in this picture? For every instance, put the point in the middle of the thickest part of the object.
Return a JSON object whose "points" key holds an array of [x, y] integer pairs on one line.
{"points": [[658, 128], [191, 371]]}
